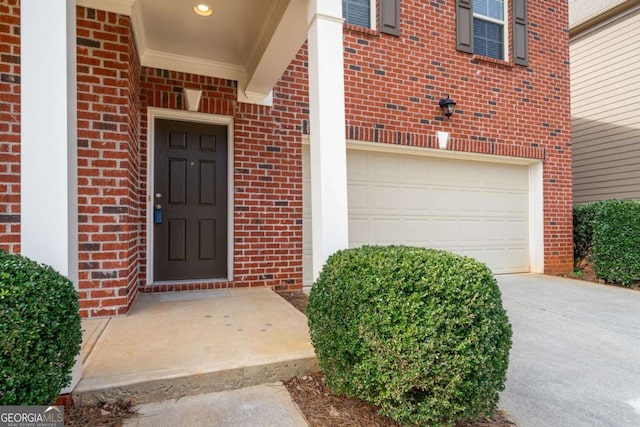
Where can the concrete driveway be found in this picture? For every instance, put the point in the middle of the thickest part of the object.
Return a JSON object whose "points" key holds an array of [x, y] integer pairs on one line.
{"points": [[575, 359]]}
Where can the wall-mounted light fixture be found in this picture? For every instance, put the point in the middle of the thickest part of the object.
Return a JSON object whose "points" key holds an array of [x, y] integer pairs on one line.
{"points": [[447, 104]]}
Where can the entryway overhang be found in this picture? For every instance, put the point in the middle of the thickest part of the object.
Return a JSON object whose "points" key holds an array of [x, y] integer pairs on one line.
{"points": [[251, 42]]}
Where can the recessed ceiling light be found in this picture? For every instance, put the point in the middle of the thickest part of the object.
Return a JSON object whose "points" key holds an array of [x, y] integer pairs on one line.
{"points": [[202, 9]]}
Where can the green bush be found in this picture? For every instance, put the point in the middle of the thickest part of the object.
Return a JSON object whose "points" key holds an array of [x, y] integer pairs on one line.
{"points": [[420, 333], [40, 332], [584, 216], [616, 241]]}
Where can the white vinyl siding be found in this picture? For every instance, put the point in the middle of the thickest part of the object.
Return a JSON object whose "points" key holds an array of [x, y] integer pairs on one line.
{"points": [[475, 208], [605, 102]]}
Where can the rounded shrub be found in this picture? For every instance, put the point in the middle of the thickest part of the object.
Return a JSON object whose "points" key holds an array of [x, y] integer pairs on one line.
{"points": [[40, 331], [420, 333]]}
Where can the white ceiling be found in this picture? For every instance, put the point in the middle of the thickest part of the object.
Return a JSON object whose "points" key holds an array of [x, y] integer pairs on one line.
{"points": [[251, 41], [228, 35]]}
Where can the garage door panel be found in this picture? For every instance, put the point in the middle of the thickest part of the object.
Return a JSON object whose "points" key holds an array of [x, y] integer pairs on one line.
{"points": [[385, 168], [471, 231], [416, 170], [358, 231], [418, 231], [443, 231], [517, 232], [307, 271], [358, 196], [492, 256], [418, 199], [443, 201], [386, 198], [518, 259], [517, 203], [465, 200], [473, 208], [358, 166], [385, 231]]}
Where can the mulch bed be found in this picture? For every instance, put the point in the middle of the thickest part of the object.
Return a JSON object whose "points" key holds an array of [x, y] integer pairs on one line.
{"points": [[584, 271], [322, 408], [99, 415]]}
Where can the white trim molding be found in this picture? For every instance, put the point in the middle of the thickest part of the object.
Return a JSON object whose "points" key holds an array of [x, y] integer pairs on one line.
{"points": [[48, 140], [536, 218], [123, 7], [330, 229], [188, 116]]}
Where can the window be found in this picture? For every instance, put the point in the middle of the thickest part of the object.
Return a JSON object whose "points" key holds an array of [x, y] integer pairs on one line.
{"points": [[489, 28], [363, 14], [482, 28], [357, 12]]}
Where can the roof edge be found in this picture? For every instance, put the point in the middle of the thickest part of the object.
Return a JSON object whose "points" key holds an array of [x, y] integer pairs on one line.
{"points": [[601, 16]]}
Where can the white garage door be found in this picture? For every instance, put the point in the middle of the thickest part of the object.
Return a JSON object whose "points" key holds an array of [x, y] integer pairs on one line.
{"points": [[474, 208]]}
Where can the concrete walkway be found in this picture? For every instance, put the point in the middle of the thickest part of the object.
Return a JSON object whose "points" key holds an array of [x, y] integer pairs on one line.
{"points": [[267, 405], [575, 359], [181, 344]]}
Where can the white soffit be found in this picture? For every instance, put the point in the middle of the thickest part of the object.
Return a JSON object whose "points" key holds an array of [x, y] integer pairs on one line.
{"points": [[251, 42], [122, 7]]}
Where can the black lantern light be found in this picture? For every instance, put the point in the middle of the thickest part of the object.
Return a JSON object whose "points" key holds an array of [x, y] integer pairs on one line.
{"points": [[447, 104]]}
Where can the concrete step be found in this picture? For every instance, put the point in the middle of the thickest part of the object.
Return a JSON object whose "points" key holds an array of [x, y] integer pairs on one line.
{"points": [[182, 344]]}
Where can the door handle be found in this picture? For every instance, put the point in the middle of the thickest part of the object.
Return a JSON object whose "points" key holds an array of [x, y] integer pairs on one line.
{"points": [[157, 214]]}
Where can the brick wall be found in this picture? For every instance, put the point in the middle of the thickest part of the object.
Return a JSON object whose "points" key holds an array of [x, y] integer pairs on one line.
{"points": [[108, 162], [393, 85], [10, 125], [392, 89], [267, 173]]}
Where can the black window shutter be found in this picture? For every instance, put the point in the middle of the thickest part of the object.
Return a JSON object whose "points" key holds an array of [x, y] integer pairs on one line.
{"points": [[520, 55], [464, 25], [390, 17]]}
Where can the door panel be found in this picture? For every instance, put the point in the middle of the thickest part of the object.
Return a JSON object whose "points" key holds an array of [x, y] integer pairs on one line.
{"points": [[473, 208], [190, 185]]}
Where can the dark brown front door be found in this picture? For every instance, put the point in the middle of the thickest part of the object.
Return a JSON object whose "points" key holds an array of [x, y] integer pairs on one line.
{"points": [[190, 201]]}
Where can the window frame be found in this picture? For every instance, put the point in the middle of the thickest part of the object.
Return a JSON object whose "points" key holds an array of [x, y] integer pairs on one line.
{"points": [[505, 29], [373, 24]]}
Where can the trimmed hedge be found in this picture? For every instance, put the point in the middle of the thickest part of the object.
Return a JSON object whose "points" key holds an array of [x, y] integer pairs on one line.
{"points": [[420, 333], [40, 331], [584, 216], [616, 241]]}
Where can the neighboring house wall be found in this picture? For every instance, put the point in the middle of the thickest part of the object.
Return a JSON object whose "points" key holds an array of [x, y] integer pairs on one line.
{"points": [[605, 102], [10, 125]]}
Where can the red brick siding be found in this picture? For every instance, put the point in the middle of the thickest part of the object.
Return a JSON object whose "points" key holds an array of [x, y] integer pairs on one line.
{"points": [[267, 173], [10, 125], [108, 162], [392, 88], [393, 84]]}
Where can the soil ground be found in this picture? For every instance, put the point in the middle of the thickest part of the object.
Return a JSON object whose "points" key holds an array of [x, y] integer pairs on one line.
{"points": [[322, 408], [584, 271]]}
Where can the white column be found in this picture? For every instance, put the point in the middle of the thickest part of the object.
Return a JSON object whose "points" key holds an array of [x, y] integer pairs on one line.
{"points": [[327, 122], [49, 206]]}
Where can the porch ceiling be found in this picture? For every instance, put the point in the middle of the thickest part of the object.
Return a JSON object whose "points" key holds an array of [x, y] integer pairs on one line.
{"points": [[249, 41]]}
